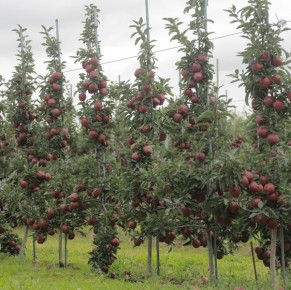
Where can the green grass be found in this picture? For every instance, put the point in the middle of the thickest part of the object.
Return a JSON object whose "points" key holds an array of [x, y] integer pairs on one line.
{"points": [[182, 268]]}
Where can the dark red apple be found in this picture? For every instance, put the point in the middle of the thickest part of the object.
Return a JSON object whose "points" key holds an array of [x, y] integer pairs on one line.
{"points": [[265, 83], [276, 60], [273, 139]]}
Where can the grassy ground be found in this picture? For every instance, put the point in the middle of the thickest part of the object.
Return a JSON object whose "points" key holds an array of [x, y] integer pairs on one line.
{"points": [[182, 268]]}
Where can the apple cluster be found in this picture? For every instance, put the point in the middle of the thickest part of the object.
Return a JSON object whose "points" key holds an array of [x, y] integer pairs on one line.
{"points": [[272, 99], [97, 115], [147, 95]]}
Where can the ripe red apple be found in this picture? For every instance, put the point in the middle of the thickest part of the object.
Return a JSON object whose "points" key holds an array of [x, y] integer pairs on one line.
{"points": [[40, 175], [254, 202], [136, 156], [188, 93], [56, 86], [253, 187], [194, 99], [198, 76], [279, 106], [51, 213], [200, 156], [93, 134], [261, 120], [93, 88], [85, 122], [56, 112], [22, 105], [147, 150], [202, 58], [257, 67], [265, 83], [235, 190], [162, 136], [74, 197], [249, 175], [56, 76], [65, 229], [86, 84], [2, 230], [94, 61], [132, 224], [268, 101], [138, 73], [196, 243], [196, 67], [233, 206], [40, 239], [101, 138], [265, 56], [182, 109], [115, 242], [273, 139], [89, 67], [103, 91], [184, 72], [94, 74], [71, 235], [276, 61], [137, 242], [269, 188], [143, 108], [177, 117], [262, 132], [42, 223], [276, 79], [98, 106], [23, 183]]}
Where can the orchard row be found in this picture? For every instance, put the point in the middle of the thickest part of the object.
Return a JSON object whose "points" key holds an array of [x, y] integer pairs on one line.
{"points": [[153, 168]]}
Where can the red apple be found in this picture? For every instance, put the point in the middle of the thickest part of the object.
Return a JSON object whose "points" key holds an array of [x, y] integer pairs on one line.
{"points": [[147, 150], [132, 224], [98, 106], [65, 229], [265, 82], [136, 156], [279, 106], [177, 117], [273, 139], [56, 112], [276, 61], [196, 67], [202, 58], [268, 101], [257, 67], [198, 76]]}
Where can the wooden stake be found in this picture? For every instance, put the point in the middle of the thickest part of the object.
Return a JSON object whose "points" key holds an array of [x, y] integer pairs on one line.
{"points": [[254, 261], [273, 259], [158, 255], [283, 266], [149, 257]]}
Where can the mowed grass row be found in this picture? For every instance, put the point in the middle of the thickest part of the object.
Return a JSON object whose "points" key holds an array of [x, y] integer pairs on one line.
{"points": [[182, 268]]}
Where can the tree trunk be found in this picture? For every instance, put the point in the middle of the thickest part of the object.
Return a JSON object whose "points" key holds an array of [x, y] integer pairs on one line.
{"points": [[149, 258], [273, 259], [22, 248]]}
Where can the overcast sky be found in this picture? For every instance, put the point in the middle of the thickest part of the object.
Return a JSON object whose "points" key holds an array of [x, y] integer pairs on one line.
{"points": [[114, 33]]}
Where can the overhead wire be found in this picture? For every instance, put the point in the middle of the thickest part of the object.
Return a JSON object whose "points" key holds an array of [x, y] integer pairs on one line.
{"points": [[157, 51]]}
